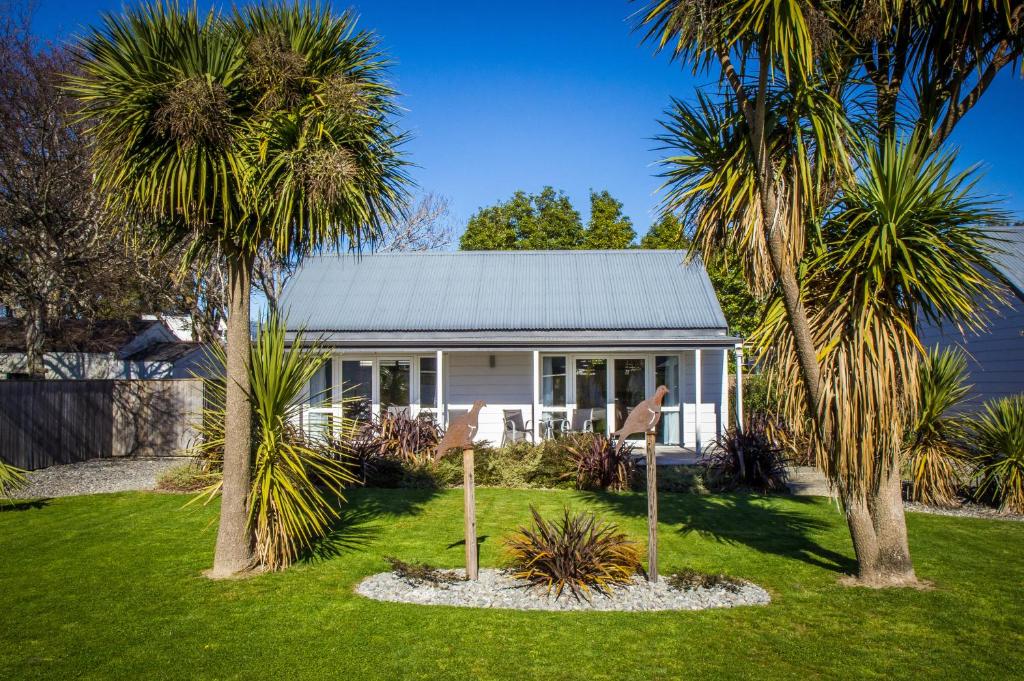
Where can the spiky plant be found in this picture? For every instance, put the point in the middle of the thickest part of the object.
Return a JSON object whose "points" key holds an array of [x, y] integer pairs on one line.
{"points": [[266, 131], [11, 478], [578, 553], [598, 464], [753, 457], [935, 453], [998, 442], [296, 482]]}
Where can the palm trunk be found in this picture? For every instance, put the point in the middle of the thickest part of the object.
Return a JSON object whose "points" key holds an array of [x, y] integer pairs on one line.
{"points": [[862, 532], [894, 565], [234, 537]]}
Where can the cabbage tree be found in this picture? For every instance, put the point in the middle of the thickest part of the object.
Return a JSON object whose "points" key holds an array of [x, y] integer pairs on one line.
{"points": [[267, 129]]}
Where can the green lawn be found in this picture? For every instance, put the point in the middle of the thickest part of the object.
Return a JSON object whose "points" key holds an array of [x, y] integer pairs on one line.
{"points": [[109, 586]]}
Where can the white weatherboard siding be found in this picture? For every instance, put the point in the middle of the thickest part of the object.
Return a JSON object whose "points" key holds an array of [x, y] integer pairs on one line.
{"points": [[995, 357], [710, 396], [508, 385]]}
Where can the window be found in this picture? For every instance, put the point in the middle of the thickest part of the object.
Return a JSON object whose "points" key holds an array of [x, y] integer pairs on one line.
{"points": [[320, 386], [394, 384], [666, 373], [553, 382], [428, 382], [357, 383], [592, 393], [630, 377]]}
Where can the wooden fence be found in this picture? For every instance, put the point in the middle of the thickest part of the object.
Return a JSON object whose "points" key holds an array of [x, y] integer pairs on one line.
{"points": [[43, 423]]}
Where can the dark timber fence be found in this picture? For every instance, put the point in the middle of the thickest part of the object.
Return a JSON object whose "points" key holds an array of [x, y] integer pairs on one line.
{"points": [[43, 423]]}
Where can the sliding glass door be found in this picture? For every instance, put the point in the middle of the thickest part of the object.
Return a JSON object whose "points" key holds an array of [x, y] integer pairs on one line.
{"points": [[591, 395], [629, 379]]}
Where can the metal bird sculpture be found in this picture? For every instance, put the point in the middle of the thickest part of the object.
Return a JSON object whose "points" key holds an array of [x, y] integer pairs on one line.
{"points": [[460, 431], [643, 419]]}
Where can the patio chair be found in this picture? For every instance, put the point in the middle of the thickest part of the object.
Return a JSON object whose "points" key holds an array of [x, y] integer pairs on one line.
{"points": [[516, 430], [582, 421]]}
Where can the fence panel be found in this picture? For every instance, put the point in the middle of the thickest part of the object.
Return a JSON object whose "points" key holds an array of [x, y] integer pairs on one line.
{"points": [[43, 423]]}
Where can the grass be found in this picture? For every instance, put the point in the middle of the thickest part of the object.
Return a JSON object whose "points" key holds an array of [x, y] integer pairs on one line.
{"points": [[109, 586]]}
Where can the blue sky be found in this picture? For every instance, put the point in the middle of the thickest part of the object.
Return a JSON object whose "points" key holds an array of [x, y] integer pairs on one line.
{"points": [[506, 96]]}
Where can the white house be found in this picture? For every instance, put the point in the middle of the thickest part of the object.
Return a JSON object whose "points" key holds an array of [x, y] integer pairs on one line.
{"points": [[995, 356], [569, 339]]}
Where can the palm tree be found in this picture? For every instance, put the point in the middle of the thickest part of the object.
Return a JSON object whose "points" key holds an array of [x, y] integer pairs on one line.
{"points": [[907, 241], [268, 129], [762, 169]]}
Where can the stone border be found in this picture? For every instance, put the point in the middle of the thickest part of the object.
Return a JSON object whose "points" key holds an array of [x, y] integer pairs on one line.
{"points": [[496, 589]]}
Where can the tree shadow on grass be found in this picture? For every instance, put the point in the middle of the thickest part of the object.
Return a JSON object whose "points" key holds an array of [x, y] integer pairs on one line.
{"points": [[354, 529], [747, 519], [20, 505]]}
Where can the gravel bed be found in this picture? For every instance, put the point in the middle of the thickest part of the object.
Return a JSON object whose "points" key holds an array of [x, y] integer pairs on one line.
{"points": [[96, 477], [496, 589], [967, 510]]}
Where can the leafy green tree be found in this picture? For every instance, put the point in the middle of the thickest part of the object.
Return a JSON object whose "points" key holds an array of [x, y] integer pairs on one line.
{"points": [[742, 309], [608, 227], [526, 222], [225, 136]]}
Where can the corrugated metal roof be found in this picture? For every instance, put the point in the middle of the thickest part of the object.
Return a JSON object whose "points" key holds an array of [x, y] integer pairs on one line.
{"points": [[1010, 261], [502, 291]]}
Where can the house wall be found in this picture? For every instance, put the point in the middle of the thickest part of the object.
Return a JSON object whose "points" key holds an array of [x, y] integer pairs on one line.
{"points": [[88, 366], [995, 357], [507, 385], [711, 392]]}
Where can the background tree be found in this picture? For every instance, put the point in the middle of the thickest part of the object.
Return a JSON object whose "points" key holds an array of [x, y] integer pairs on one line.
{"points": [[226, 136], [526, 222], [423, 225], [607, 228], [62, 257]]}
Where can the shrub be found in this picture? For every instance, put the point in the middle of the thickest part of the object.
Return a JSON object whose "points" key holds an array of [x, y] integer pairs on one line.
{"points": [[935, 455], [295, 481], [188, 477], [751, 457], [420, 573], [578, 553], [689, 580], [998, 445], [11, 479], [598, 465]]}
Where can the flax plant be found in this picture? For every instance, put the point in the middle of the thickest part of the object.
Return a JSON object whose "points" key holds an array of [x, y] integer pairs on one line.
{"points": [[297, 480]]}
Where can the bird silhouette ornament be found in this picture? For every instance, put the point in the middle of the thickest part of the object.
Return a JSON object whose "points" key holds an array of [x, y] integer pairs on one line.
{"points": [[460, 431], [643, 419]]}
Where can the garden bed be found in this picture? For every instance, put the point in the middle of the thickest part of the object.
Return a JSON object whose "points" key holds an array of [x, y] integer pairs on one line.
{"points": [[497, 589]]}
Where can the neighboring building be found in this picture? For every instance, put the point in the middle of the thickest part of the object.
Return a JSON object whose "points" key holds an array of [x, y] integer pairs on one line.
{"points": [[570, 339], [141, 348], [995, 357]]}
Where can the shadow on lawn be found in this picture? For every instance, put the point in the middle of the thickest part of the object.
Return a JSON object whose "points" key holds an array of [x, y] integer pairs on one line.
{"points": [[27, 505], [746, 519], [354, 528]]}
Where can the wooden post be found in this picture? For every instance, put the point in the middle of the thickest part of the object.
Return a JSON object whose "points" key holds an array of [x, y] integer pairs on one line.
{"points": [[469, 497], [652, 511]]}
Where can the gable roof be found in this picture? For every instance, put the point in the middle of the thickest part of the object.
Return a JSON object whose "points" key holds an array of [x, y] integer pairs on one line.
{"points": [[1010, 260], [501, 295]]}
